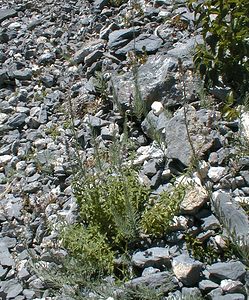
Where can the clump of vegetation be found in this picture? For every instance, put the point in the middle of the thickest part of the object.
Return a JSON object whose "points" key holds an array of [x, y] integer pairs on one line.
{"points": [[224, 54], [112, 202], [90, 247], [157, 218], [201, 252]]}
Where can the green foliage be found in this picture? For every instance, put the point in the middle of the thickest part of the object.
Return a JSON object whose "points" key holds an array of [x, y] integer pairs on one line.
{"points": [[239, 248], [225, 51], [199, 251], [101, 85], [88, 246], [113, 203], [157, 219], [117, 3], [229, 111]]}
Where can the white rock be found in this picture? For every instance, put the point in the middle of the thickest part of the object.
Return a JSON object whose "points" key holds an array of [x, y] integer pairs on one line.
{"points": [[245, 124], [195, 197], [203, 169], [4, 159], [179, 223], [242, 200], [3, 117], [230, 286], [216, 173], [14, 25], [157, 108], [220, 241], [40, 144]]}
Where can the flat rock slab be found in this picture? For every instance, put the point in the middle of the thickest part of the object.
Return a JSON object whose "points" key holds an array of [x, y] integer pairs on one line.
{"points": [[6, 14], [153, 257], [234, 270], [144, 43], [177, 140], [232, 216], [163, 280], [121, 37]]}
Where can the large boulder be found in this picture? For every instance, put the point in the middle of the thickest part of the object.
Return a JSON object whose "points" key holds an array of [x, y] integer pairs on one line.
{"points": [[187, 136], [154, 81]]}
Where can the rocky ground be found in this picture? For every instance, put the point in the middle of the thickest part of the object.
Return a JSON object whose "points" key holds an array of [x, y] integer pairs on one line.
{"points": [[49, 53]]}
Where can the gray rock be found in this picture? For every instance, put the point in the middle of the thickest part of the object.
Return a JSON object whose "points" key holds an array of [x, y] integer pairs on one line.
{"points": [[17, 120], [234, 270], [8, 242], [25, 74], [185, 49], [12, 206], [5, 257], [155, 82], [121, 37], [150, 270], [48, 80], [151, 167], [229, 297], [210, 222], [232, 286], [100, 4], [3, 77], [187, 270], [216, 173], [144, 43], [95, 122], [88, 48], [12, 288], [46, 58], [93, 57], [207, 285], [6, 14], [245, 175], [191, 293], [215, 294], [177, 141], [150, 124], [29, 294], [232, 216], [154, 257], [3, 272], [164, 280]]}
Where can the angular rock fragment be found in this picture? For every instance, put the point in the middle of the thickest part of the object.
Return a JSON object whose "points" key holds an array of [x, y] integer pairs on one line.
{"points": [[187, 270], [233, 270], [153, 257], [7, 13], [233, 217]]}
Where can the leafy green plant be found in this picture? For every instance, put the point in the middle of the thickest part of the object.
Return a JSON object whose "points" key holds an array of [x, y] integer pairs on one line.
{"points": [[89, 246], [157, 218], [100, 84], [199, 251], [224, 54], [113, 203]]}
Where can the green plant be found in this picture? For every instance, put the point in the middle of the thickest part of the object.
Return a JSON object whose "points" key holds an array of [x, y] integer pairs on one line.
{"points": [[113, 203], [101, 85], [53, 131], [156, 219], [88, 246], [201, 252], [224, 54]]}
